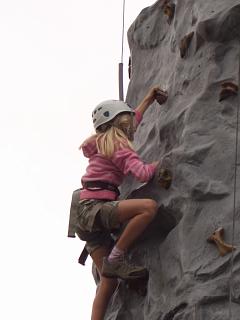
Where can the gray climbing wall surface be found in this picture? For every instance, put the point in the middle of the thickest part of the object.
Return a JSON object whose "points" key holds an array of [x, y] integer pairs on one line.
{"points": [[190, 48]]}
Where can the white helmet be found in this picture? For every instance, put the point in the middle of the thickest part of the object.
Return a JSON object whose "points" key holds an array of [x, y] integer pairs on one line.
{"points": [[107, 110]]}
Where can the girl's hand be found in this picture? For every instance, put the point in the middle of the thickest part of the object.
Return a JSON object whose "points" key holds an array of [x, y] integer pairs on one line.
{"points": [[151, 95], [156, 93], [155, 163], [88, 140], [161, 96]]}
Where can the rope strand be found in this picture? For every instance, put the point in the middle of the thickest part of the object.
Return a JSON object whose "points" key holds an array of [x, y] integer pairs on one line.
{"points": [[123, 27], [234, 214], [120, 65]]}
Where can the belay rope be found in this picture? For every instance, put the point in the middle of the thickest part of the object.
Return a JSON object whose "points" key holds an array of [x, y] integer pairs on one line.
{"points": [[120, 65], [234, 214]]}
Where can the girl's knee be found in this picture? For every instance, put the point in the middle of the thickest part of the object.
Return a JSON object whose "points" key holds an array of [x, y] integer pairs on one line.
{"points": [[151, 207]]}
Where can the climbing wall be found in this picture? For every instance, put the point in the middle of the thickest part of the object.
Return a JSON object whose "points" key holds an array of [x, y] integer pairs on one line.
{"points": [[190, 48]]}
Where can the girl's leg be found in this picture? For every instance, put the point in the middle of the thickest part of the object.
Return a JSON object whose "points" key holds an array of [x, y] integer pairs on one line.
{"points": [[105, 289], [139, 213]]}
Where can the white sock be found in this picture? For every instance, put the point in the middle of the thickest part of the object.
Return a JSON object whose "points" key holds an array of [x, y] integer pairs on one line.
{"points": [[116, 254]]}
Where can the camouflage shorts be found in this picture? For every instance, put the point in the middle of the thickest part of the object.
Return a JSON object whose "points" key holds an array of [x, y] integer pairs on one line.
{"points": [[94, 221]]}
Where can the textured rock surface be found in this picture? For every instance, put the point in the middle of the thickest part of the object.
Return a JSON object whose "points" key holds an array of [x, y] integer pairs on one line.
{"points": [[188, 278]]}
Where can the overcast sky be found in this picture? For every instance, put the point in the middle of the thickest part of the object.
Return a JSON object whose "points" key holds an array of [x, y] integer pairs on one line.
{"points": [[58, 59]]}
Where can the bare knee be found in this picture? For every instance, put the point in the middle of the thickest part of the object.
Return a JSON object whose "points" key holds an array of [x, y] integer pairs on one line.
{"points": [[150, 207]]}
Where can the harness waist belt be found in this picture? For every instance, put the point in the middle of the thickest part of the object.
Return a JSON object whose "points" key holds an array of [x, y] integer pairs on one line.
{"points": [[91, 185]]}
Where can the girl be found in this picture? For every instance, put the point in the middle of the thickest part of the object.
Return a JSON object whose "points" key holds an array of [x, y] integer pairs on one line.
{"points": [[111, 157]]}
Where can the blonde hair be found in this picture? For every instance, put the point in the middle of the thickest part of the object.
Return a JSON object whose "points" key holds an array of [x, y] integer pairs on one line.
{"points": [[114, 135]]}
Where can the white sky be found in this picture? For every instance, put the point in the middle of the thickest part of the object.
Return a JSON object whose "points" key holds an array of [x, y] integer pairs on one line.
{"points": [[58, 59]]}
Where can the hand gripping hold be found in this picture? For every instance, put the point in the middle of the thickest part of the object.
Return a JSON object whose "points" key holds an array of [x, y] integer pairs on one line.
{"points": [[161, 96]]}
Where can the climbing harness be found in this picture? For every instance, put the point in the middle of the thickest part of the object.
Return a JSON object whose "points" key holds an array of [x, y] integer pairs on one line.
{"points": [[120, 65], [234, 215], [100, 185]]}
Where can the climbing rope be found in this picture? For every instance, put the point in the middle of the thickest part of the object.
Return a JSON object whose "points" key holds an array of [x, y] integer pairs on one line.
{"points": [[120, 65], [234, 216], [123, 26]]}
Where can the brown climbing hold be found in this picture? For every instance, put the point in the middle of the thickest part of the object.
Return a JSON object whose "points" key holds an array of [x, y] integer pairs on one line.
{"points": [[169, 10], [185, 43], [228, 89], [217, 238], [161, 96], [165, 174], [165, 178]]}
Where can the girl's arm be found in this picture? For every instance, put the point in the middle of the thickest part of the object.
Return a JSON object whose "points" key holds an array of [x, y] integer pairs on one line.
{"points": [[88, 140], [154, 93], [128, 162]]}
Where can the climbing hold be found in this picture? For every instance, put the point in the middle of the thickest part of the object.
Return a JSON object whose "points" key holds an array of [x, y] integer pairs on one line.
{"points": [[165, 178], [164, 173], [228, 89], [169, 10], [161, 96], [185, 43], [138, 285], [217, 238]]}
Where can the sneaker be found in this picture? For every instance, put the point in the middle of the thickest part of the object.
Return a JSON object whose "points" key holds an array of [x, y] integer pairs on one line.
{"points": [[123, 270]]}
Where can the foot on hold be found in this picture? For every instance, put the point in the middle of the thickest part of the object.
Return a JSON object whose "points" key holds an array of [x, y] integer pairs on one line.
{"points": [[185, 43], [122, 269], [228, 89], [217, 238]]}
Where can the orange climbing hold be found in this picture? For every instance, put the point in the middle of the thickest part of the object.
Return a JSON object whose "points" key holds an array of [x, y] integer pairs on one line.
{"points": [[228, 89], [164, 173], [185, 43], [217, 238], [169, 11]]}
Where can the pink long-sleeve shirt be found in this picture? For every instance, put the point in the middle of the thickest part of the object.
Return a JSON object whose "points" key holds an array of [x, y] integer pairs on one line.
{"points": [[113, 170]]}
